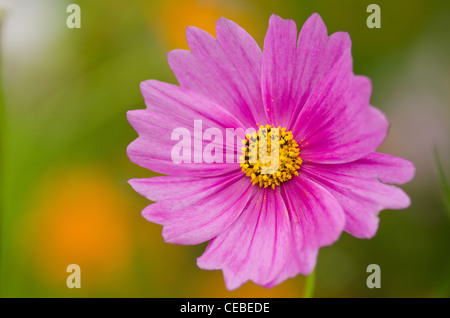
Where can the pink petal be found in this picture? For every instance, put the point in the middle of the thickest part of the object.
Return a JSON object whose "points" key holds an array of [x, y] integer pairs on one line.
{"points": [[279, 69], [201, 215], [254, 247], [309, 87], [275, 239], [227, 70], [171, 107], [166, 187], [314, 210], [385, 167], [337, 124], [292, 69], [361, 194], [178, 103]]}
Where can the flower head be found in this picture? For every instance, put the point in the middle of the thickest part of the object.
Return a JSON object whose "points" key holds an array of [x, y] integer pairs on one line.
{"points": [[306, 169]]}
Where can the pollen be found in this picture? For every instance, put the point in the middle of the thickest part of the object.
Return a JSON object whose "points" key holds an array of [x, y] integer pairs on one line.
{"points": [[270, 157]]}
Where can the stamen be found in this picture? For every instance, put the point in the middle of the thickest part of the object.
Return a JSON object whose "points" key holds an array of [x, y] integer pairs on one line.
{"points": [[261, 149]]}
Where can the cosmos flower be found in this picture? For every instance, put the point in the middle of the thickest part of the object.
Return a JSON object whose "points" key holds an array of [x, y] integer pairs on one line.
{"points": [[298, 94]]}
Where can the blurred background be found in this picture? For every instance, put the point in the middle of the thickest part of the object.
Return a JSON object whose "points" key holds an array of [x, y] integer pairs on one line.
{"points": [[63, 176]]}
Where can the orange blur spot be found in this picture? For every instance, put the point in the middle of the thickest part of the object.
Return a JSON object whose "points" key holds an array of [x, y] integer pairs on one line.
{"points": [[170, 18], [78, 217]]}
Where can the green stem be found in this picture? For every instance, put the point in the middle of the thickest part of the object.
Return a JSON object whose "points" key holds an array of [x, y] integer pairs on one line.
{"points": [[444, 283], [310, 284], [444, 186]]}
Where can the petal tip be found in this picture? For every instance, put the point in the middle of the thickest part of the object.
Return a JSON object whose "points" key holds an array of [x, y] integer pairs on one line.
{"points": [[315, 21], [277, 19], [315, 18], [134, 183]]}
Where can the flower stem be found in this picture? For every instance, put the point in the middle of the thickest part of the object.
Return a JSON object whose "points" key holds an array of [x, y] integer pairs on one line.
{"points": [[444, 185], [310, 285]]}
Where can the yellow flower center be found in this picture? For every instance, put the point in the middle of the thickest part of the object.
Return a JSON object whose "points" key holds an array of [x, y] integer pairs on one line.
{"points": [[270, 156]]}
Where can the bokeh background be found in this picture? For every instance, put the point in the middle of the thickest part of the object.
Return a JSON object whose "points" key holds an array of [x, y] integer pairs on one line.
{"points": [[64, 197]]}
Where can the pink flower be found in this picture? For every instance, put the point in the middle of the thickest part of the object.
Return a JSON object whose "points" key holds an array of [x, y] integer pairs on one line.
{"points": [[267, 227]]}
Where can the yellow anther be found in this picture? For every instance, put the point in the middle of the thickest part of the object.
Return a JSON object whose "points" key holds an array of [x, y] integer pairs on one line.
{"points": [[288, 156]]}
